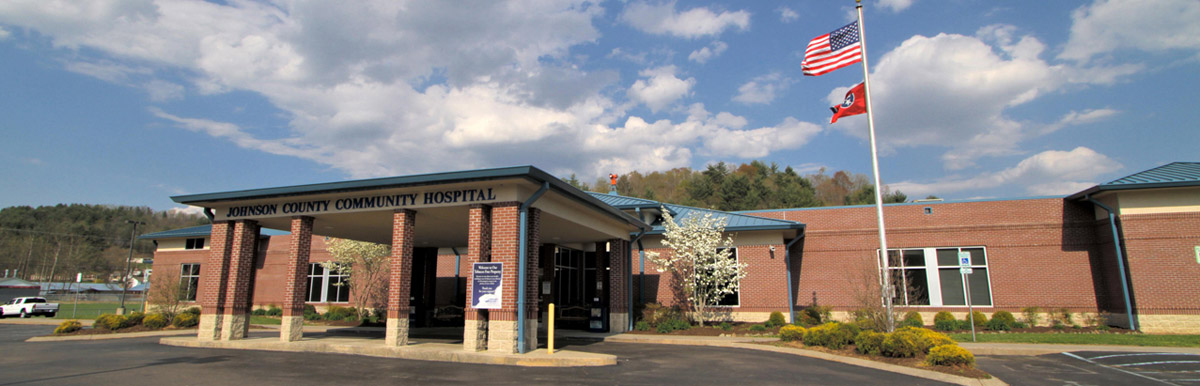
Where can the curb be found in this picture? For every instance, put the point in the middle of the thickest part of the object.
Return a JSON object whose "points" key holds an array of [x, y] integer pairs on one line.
{"points": [[749, 345], [1035, 349], [109, 336], [425, 352], [45, 322]]}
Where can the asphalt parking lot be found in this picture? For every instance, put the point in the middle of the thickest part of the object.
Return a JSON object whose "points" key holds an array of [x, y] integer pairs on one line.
{"points": [[142, 361], [1096, 368]]}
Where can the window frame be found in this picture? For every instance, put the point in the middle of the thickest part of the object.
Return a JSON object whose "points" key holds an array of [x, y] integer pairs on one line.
{"points": [[194, 243], [736, 294], [933, 272], [188, 281], [326, 277]]}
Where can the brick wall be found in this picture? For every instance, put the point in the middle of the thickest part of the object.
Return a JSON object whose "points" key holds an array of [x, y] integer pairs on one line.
{"points": [[1161, 253]]}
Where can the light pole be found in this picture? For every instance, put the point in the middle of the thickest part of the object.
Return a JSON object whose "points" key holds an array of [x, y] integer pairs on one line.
{"points": [[128, 261]]}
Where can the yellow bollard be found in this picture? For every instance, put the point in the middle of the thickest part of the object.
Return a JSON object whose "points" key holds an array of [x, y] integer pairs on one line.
{"points": [[550, 332]]}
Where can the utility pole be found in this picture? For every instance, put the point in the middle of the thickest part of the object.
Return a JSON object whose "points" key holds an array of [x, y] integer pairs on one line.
{"points": [[128, 261]]}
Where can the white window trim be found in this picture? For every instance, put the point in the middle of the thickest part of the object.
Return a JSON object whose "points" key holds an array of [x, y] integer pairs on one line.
{"points": [[325, 276], [736, 260], [188, 277], [933, 276]]}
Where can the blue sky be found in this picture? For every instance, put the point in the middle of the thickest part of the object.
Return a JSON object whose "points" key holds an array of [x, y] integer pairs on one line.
{"points": [[130, 102]]}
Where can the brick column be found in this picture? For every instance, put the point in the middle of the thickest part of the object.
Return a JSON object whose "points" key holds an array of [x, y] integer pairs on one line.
{"points": [[213, 275], [502, 323], [618, 297], [297, 274], [479, 248], [533, 276], [400, 281], [235, 321]]}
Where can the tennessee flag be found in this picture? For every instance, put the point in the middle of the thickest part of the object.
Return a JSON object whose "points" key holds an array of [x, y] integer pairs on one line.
{"points": [[854, 104]]}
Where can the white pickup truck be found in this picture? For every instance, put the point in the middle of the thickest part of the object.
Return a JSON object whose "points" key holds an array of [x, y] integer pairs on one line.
{"points": [[29, 306]]}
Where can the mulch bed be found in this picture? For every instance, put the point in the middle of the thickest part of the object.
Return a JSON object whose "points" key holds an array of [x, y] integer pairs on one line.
{"points": [[917, 363], [737, 329], [105, 331]]}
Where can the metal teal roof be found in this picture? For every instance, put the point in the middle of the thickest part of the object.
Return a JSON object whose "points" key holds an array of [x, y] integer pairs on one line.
{"points": [[1175, 174], [200, 231], [734, 222]]}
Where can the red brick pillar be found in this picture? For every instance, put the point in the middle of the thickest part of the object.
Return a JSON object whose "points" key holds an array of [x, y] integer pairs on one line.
{"points": [[479, 248], [296, 277], [533, 247], [213, 276], [400, 282], [502, 323], [618, 286], [235, 321]]}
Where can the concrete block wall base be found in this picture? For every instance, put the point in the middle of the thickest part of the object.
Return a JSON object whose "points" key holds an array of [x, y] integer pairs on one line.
{"points": [[475, 335], [618, 322], [292, 328], [502, 336], [531, 335], [396, 333], [234, 326], [210, 327], [1167, 324]]}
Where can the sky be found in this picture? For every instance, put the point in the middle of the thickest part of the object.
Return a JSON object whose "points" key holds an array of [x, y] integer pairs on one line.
{"points": [[131, 102]]}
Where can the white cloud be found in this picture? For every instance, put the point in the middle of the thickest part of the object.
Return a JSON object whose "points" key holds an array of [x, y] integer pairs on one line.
{"points": [[4, 34], [161, 90], [762, 89], [1047, 173], [663, 19], [710, 51], [787, 15], [191, 210], [1154, 26], [661, 89], [895, 5]]}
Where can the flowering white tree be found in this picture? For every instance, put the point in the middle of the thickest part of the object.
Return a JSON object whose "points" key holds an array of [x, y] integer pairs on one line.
{"points": [[701, 261], [367, 268]]}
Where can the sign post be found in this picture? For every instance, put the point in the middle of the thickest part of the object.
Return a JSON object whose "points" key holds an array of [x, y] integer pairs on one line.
{"points": [[964, 267], [78, 279], [487, 280]]}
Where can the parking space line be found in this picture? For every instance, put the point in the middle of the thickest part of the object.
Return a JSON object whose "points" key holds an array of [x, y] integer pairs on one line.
{"points": [[1114, 368], [1141, 354], [1154, 363]]}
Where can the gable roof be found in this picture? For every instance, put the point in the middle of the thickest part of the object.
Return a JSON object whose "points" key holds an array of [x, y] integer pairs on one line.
{"points": [[1172, 175], [200, 231], [735, 222]]}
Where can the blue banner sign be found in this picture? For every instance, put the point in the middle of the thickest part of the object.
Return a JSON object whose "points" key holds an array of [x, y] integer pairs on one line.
{"points": [[487, 280]]}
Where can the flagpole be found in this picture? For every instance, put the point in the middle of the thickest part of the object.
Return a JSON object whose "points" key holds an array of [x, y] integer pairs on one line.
{"points": [[883, 251]]}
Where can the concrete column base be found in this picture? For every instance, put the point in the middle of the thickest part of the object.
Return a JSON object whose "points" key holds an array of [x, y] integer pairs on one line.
{"points": [[235, 326], [502, 336], [475, 335], [292, 328], [210, 327], [618, 322], [396, 332], [531, 335]]}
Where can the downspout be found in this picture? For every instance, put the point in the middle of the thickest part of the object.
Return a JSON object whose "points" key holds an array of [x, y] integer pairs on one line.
{"points": [[522, 250], [787, 261], [457, 260], [638, 240], [1112, 222], [209, 213], [641, 265]]}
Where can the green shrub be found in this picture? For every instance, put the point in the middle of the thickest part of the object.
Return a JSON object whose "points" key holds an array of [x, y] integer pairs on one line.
{"points": [[185, 320], [791, 333], [980, 319], [155, 321], [869, 342], [1063, 316], [950, 355], [193, 311], [963, 325], [1031, 316], [947, 325], [817, 314], [259, 312], [833, 335], [68, 326], [909, 342], [943, 316], [776, 319], [340, 313], [1002, 321], [669, 325], [274, 311], [655, 313], [725, 326], [134, 319], [110, 322], [641, 325], [912, 319], [758, 328]]}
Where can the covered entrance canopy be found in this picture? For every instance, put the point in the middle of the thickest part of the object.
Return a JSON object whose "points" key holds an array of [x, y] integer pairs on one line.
{"points": [[502, 215]]}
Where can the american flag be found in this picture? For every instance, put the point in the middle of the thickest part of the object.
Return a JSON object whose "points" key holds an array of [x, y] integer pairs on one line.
{"points": [[832, 51]]}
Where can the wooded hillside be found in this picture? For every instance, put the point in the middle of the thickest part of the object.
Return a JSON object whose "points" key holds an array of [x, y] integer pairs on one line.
{"points": [[60, 240]]}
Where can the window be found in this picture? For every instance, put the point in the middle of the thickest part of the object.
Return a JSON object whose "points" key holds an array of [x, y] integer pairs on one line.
{"points": [[194, 244], [327, 286], [930, 277], [731, 300], [189, 279]]}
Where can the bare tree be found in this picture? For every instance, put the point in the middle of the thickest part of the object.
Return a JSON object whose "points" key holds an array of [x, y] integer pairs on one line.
{"points": [[166, 295]]}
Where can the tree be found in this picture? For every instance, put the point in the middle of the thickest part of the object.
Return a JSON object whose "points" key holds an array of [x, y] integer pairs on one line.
{"points": [[366, 267], [166, 295], [701, 262]]}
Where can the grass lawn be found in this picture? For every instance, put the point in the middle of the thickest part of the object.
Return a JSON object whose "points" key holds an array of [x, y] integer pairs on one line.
{"points": [[92, 310], [1069, 338], [256, 319]]}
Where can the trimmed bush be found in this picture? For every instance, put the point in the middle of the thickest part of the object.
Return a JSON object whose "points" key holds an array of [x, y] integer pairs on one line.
{"points": [[791, 333], [816, 315], [68, 326], [869, 342], [912, 319], [656, 314], [109, 322], [185, 320], [833, 335], [909, 342], [193, 311], [155, 321], [758, 328], [980, 319], [669, 325], [950, 355], [641, 326], [341, 313], [776, 319], [950, 325], [943, 316], [274, 311], [259, 312], [725, 326], [134, 319], [1002, 321]]}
